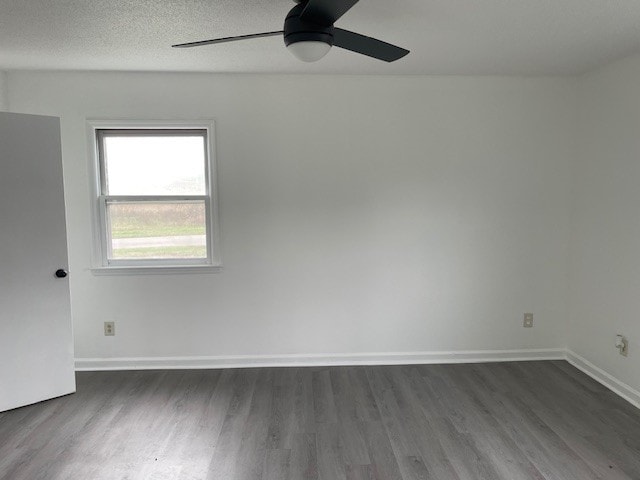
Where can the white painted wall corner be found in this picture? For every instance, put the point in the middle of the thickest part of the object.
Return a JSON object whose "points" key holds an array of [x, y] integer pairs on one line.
{"points": [[625, 391]]}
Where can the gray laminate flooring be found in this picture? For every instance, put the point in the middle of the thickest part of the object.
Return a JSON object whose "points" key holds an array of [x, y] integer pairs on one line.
{"points": [[512, 421]]}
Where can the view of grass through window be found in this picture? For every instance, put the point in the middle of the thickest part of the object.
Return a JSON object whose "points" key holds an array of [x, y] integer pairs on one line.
{"points": [[158, 230]]}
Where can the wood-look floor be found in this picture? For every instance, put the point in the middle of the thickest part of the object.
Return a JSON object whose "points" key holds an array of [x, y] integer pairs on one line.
{"points": [[512, 421]]}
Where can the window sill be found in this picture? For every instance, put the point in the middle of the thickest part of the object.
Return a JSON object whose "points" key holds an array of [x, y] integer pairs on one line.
{"points": [[159, 270]]}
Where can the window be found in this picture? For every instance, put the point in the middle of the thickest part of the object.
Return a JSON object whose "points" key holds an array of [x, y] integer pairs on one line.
{"points": [[154, 202]]}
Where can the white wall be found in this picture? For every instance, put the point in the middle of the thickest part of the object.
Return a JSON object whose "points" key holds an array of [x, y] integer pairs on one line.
{"points": [[359, 214], [605, 245]]}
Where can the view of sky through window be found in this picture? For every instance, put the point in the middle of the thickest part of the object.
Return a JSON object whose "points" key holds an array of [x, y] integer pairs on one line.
{"points": [[155, 165]]}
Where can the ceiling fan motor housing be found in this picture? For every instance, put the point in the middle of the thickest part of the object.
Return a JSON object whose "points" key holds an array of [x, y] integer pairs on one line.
{"points": [[298, 30]]}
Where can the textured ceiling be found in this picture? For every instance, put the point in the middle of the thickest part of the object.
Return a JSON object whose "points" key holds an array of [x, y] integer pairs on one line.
{"points": [[513, 37]]}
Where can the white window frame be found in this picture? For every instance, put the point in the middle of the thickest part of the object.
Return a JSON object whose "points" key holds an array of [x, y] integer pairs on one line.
{"points": [[101, 263]]}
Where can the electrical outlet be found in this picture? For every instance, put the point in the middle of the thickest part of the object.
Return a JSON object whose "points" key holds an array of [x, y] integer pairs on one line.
{"points": [[528, 320], [109, 329]]}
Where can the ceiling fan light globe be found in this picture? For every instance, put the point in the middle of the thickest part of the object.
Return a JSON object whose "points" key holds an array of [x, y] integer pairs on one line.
{"points": [[309, 50]]}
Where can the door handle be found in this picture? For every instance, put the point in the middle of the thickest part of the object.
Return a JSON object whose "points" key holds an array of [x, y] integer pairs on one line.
{"points": [[61, 273]]}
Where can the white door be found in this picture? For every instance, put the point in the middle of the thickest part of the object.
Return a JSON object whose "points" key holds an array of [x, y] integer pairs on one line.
{"points": [[36, 343]]}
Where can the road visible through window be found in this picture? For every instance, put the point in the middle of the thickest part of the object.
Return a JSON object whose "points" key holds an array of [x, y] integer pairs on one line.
{"points": [[158, 230]]}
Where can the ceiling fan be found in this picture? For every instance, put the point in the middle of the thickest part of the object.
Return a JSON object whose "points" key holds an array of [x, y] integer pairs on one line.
{"points": [[309, 33]]}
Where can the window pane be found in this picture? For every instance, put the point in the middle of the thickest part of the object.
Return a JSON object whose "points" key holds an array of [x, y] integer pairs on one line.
{"points": [[157, 230], [154, 164]]}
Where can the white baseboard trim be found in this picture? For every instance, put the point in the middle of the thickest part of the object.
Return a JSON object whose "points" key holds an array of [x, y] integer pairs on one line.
{"points": [[247, 361], [625, 391], [352, 359]]}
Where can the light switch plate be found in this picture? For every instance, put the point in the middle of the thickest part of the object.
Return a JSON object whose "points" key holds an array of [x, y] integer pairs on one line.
{"points": [[528, 320]]}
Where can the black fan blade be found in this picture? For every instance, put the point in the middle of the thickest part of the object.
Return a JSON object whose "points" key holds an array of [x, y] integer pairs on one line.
{"points": [[325, 12], [367, 45], [227, 39]]}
